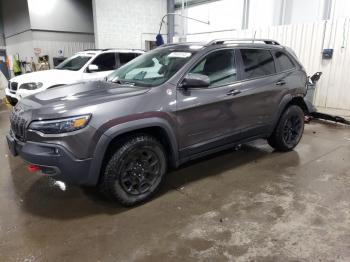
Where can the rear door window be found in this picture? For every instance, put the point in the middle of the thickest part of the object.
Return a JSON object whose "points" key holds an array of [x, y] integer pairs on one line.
{"points": [[105, 62], [126, 57], [257, 63], [284, 63]]}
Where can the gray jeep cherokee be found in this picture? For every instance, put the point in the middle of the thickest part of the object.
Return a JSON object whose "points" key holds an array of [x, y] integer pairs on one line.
{"points": [[170, 105]]}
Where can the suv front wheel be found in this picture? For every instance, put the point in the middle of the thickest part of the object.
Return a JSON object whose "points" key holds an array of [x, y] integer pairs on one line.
{"points": [[135, 170], [289, 129]]}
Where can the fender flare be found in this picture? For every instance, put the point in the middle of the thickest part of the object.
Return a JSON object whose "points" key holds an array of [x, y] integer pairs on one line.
{"points": [[123, 128], [282, 106]]}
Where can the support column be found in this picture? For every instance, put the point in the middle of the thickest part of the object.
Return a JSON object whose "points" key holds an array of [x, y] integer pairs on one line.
{"points": [[170, 20], [245, 19]]}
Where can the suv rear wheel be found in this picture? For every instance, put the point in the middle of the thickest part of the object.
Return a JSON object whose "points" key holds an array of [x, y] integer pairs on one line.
{"points": [[135, 170], [289, 129]]}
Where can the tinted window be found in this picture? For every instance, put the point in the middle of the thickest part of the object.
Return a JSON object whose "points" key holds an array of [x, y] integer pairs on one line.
{"points": [[257, 63], [126, 57], [73, 63], [283, 61], [105, 62], [219, 66]]}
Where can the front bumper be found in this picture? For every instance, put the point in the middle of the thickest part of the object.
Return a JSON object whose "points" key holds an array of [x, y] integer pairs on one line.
{"points": [[10, 93], [11, 97], [21, 93], [53, 160]]}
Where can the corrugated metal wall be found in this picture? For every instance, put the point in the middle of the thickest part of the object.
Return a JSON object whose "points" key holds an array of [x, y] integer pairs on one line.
{"points": [[308, 40]]}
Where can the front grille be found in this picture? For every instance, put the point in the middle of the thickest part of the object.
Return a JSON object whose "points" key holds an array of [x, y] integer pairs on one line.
{"points": [[18, 126], [14, 86]]}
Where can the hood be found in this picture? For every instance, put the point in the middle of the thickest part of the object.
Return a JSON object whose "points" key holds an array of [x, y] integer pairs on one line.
{"points": [[47, 77], [61, 101]]}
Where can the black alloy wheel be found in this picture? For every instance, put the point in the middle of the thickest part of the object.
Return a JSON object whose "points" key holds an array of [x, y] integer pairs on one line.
{"points": [[288, 130], [292, 129], [140, 171], [134, 170]]}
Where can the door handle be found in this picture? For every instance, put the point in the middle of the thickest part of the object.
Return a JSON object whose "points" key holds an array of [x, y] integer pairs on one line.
{"points": [[280, 83], [233, 92]]}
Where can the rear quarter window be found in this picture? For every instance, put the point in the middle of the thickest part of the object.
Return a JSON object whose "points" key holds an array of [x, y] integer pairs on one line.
{"points": [[284, 63], [257, 63]]}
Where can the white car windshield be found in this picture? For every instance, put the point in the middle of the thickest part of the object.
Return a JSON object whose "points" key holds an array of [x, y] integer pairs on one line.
{"points": [[74, 63]]}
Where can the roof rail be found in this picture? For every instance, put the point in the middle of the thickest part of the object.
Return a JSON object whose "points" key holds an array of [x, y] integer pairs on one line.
{"points": [[107, 49], [251, 40], [91, 49], [180, 43]]}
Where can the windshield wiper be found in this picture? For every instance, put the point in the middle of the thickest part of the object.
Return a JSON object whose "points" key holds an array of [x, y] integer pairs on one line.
{"points": [[118, 81]]}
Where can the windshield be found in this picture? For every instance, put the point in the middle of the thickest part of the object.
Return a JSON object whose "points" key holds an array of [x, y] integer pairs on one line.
{"points": [[74, 63], [152, 68]]}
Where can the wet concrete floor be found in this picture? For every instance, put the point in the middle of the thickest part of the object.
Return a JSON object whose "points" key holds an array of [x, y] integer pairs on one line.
{"points": [[248, 205]]}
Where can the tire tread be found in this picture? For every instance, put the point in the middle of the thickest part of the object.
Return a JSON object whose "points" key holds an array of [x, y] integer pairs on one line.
{"points": [[276, 139], [108, 174]]}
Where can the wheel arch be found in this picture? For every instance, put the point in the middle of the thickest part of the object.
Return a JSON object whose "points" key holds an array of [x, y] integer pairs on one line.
{"points": [[287, 101], [158, 128], [298, 101]]}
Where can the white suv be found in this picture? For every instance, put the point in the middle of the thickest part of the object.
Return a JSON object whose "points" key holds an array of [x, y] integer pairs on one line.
{"points": [[84, 66]]}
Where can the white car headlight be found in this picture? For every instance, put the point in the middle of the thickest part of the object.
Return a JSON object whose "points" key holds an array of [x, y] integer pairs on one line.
{"points": [[62, 125], [31, 86]]}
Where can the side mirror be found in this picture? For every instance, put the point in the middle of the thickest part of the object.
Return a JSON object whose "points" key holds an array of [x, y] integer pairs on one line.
{"points": [[195, 80], [92, 68]]}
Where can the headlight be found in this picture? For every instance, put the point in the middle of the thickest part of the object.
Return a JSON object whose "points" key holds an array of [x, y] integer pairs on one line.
{"points": [[59, 126], [31, 86]]}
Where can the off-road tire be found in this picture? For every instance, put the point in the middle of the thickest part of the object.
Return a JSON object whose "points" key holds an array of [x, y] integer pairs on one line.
{"points": [[113, 174], [278, 140]]}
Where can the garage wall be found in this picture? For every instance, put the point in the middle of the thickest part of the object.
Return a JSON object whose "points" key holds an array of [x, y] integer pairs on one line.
{"points": [[2, 35], [127, 24], [47, 25], [264, 13], [51, 42], [217, 13], [20, 44], [61, 25], [228, 14], [301, 11], [61, 15], [15, 17], [16, 26]]}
